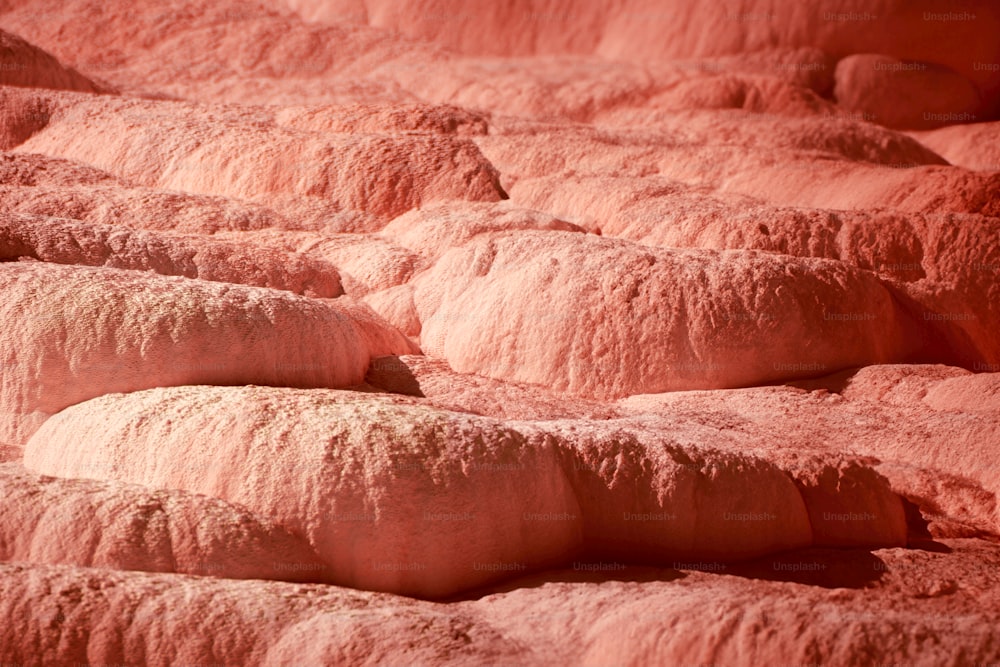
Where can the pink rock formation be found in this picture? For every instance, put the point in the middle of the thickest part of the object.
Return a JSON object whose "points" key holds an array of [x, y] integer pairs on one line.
{"points": [[76, 332], [638, 332], [605, 318], [188, 152], [69, 242], [922, 604], [395, 119], [393, 498], [366, 263], [434, 379], [18, 170], [122, 527], [926, 31], [433, 231], [906, 95], [23, 64], [917, 421], [494, 497], [972, 146]]}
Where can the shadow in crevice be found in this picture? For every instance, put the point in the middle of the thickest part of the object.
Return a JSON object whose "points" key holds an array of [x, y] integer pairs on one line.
{"points": [[391, 374], [820, 567], [816, 566], [834, 383], [918, 533], [921, 535], [917, 527], [584, 571]]}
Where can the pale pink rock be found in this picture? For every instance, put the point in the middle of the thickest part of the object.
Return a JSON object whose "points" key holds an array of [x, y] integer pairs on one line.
{"points": [[743, 148], [432, 231], [146, 208], [70, 242], [95, 616], [974, 146], [395, 305], [395, 119], [434, 380], [976, 393], [309, 63], [900, 186], [18, 170], [723, 86], [662, 146], [831, 485], [164, 210], [181, 146], [136, 48], [403, 497], [125, 527], [624, 490], [901, 386], [766, 157], [821, 162], [604, 318], [393, 498], [649, 30], [78, 332], [366, 263], [937, 450], [907, 606], [842, 614], [945, 264]]}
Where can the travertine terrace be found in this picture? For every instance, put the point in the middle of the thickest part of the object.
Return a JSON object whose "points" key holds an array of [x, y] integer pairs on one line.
{"points": [[524, 332]]}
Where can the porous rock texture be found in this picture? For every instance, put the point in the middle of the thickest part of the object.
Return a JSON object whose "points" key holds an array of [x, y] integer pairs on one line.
{"points": [[73, 333], [72, 242], [420, 332], [607, 318], [126, 527]]}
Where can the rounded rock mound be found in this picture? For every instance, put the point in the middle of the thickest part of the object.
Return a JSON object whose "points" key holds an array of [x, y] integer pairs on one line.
{"points": [[74, 333], [246, 154], [71, 242], [605, 318], [393, 497], [398, 496], [905, 94], [124, 527]]}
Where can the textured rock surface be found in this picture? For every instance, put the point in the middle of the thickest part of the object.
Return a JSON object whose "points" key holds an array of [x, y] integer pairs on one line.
{"points": [[605, 318], [971, 146], [630, 333], [69, 242], [808, 604], [123, 527], [246, 153], [496, 497], [73, 333]]}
